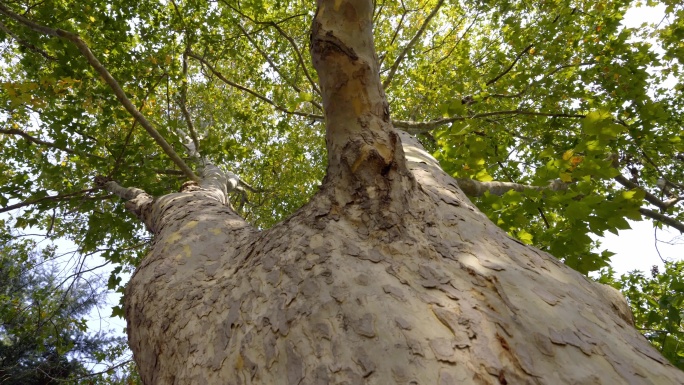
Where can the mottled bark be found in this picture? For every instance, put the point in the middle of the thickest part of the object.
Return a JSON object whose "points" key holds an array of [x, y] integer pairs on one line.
{"points": [[389, 274]]}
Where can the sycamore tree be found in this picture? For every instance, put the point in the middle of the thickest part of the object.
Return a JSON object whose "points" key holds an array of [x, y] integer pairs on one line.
{"points": [[283, 213]]}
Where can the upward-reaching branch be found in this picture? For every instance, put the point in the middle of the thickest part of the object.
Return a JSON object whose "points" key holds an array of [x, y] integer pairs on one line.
{"points": [[362, 146], [507, 70], [109, 79], [410, 45], [183, 102]]}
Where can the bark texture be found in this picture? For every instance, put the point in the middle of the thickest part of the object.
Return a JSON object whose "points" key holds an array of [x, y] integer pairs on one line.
{"points": [[389, 275]]}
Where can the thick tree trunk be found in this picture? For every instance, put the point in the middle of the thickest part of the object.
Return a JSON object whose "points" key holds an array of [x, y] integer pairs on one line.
{"points": [[389, 274]]}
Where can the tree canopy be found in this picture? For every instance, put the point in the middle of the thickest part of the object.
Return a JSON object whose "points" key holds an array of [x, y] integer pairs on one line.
{"points": [[578, 117]]}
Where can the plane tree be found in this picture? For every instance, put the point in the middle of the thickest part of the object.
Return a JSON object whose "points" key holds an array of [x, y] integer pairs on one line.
{"points": [[312, 233]]}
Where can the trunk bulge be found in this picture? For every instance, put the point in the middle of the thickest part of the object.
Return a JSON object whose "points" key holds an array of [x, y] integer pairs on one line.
{"points": [[389, 275]]}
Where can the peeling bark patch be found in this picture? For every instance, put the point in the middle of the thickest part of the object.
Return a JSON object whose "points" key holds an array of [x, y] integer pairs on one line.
{"points": [[568, 337], [414, 347], [295, 368], [402, 323], [364, 362], [324, 45], [546, 296], [394, 292], [443, 349], [455, 324], [365, 326]]}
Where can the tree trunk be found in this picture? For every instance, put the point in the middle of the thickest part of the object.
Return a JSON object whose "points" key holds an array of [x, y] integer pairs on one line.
{"points": [[388, 275]]}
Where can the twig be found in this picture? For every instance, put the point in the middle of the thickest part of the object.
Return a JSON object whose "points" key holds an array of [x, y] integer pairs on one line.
{"points": [[32, 139], [183, 101], [475, 188], [397, 62], [287, 37], [47, 198], [421, 127], [650, 198], [26, 43], [662, 218], [499, 76], [253, 93], [274, 66]]}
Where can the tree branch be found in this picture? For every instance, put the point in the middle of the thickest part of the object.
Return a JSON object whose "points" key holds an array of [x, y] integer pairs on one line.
{"points": [[47, 198], [499, 76], [183, 101], [650, 198], [662, 218], [410, 45], [113, 84], [25, 43], [253, 93], [475, 188], [287, 37], [422, 127], [274, 66], [32, 139]]}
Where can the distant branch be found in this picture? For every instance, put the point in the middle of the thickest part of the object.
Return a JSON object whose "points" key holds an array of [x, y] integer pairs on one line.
{"points": [[422, 127], [475, 188], [55, 198], [25, 43], [410, 45], [32, 139], [287, 37], [507, 70], [662, 218], [113, 84], [274, 66], [183, 102], [253, 93]]}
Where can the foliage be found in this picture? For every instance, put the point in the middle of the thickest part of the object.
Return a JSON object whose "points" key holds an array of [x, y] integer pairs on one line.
{"points": [[657, 303], [43, 335], [516, 91]]}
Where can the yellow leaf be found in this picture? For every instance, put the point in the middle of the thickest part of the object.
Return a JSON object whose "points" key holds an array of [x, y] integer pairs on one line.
{"points": [[92, 19], [565, 177], [568, 154], [628, 194]]}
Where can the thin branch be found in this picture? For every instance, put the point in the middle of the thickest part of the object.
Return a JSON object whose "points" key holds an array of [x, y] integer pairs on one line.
{"points": [[253, 93], [117, 162], [47, 198], [453, 48], [113, 84], [422, 127], [25, 43], [274, 66], [287, 37], [183, 101], [650, 198], [507, 70], [662, 218], [410, 45], [32, 139]]}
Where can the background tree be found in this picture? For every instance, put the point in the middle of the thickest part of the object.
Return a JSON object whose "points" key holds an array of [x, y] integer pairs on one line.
{"points": [[43, 333], [553, 96]]}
